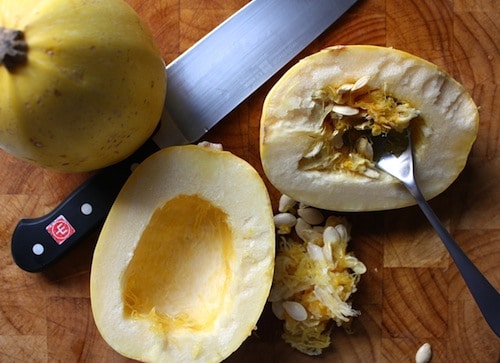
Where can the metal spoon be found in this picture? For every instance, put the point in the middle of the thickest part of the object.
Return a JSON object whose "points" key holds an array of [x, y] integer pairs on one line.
{"points": [[486, 296]]}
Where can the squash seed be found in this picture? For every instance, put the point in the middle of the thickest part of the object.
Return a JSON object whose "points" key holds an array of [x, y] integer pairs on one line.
{"points": [[424, 354], [311, 215], [345, 110], [286, 203], [360, 83], [295, 310]]}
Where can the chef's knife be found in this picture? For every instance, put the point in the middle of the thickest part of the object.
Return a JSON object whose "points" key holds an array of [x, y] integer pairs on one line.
{"points": [[204, 85]]}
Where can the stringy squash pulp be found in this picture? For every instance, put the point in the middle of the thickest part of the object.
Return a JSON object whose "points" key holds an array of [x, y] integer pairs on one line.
{"points": [[82, 82], [325, 118], [184, 263], [315, 276]]}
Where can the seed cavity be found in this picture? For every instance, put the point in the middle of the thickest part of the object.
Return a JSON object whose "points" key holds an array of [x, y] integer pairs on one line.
{"points": [[354, 116], [316, 149]]}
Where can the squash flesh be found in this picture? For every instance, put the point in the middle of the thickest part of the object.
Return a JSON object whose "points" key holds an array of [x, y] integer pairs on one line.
{"points": [[168, 287]]}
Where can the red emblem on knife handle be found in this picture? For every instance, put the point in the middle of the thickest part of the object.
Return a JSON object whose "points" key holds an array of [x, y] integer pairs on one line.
{"points": [[60, 229]]}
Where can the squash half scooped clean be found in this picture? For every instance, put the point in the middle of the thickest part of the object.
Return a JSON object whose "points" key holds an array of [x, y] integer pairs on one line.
{"points": [[322, 121], [184, 263]]}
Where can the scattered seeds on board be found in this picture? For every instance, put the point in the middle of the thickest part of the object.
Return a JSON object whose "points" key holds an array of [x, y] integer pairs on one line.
{"points": [[424, 354], [210, 145], [331, 235], [311, 215], [314, 275], [295, 310], [286, 203], [284, 222], [305, 231]]}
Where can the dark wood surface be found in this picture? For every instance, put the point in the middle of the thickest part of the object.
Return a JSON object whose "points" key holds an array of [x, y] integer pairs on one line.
{"points": [[412, 292]]}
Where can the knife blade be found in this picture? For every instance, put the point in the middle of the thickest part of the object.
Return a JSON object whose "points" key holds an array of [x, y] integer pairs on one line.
{"points": [[204, 84]]}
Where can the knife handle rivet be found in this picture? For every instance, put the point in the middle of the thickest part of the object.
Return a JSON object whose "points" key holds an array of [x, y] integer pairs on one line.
{"points": [[38, 249], [86, 209]]}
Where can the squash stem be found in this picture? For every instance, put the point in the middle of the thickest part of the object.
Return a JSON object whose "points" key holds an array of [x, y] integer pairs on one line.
{"points": [[13, 48]]}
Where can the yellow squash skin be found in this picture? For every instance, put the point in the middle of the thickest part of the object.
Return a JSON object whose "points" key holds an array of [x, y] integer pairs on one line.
{"points": [[184, 263], [292, 125], [91, 90]]}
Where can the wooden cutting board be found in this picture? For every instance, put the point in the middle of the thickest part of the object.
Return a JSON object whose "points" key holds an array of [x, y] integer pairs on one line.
{"points": [[412, 292]]}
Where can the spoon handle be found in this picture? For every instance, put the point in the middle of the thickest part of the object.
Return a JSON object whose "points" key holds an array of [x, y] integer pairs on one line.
{"points": [[486, 296]]}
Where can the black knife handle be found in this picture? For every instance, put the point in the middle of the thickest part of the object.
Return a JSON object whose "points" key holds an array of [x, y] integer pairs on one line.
{"points": [[38, 242]]}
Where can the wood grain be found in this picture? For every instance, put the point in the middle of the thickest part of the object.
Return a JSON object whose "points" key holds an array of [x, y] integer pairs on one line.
{"points": [[412, 292]]}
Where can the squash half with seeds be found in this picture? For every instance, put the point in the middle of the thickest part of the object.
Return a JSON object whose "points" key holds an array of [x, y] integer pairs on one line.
{"points": [[184, 263], [324, 121]]}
